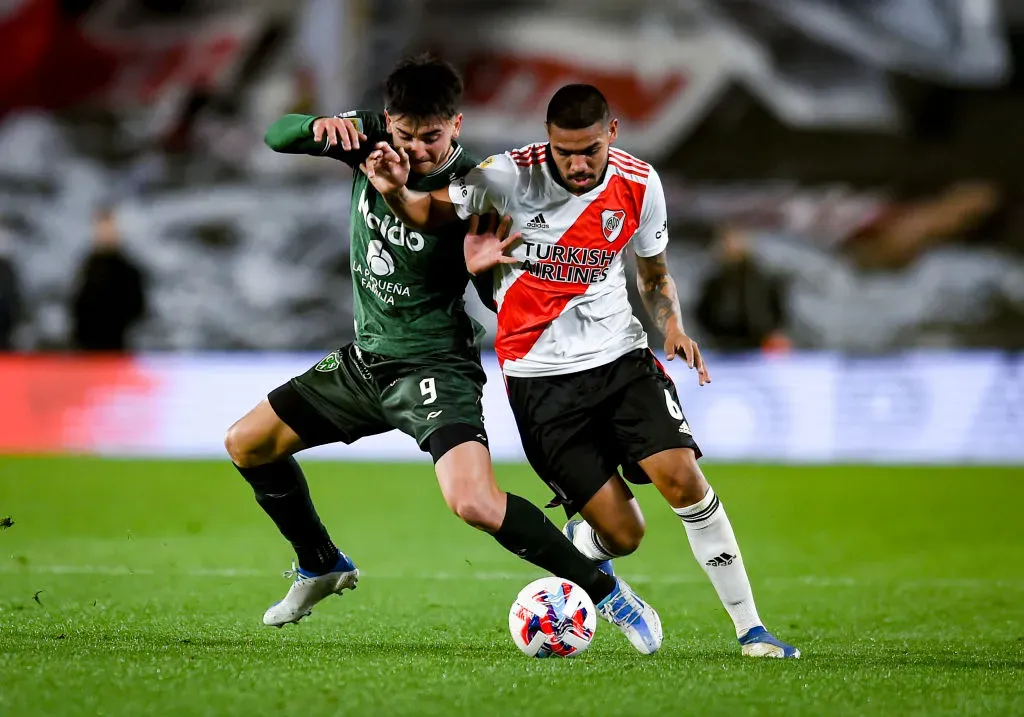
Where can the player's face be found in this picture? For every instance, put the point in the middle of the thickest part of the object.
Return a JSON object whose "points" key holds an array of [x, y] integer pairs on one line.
{"points": [[427, 140], [581, 155]]}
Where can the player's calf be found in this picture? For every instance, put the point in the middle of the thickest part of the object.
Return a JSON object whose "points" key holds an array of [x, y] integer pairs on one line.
{"points": [[613, 527], [713, 542], [711, 538], [260, 446]]}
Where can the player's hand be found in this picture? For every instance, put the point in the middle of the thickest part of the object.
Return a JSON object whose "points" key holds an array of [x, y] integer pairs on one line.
{"points": [[678, 342], [486, 242], [386, 168], [337, 131]]}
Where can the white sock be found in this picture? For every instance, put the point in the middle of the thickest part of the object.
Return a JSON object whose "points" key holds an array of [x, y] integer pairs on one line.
{"points": [[714, 545], [587, 542]]}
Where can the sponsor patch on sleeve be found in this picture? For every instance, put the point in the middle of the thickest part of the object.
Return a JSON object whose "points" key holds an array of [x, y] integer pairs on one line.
{"points": [[351, 117]]}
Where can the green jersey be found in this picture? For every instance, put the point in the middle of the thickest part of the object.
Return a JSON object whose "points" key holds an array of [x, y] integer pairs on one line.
{"points": [[408, 285]]}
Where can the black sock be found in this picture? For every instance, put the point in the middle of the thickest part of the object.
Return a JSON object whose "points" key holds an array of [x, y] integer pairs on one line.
{"points": [[528, 533], [282, 492]]}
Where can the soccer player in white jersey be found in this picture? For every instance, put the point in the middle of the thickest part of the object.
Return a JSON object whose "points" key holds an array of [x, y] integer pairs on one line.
{"points": [[587, 393]]}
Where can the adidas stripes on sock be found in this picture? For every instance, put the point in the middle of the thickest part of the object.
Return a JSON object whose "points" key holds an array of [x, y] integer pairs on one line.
{"points": [[714, 545]]}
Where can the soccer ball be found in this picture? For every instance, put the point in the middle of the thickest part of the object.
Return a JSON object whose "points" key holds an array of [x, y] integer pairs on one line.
{"points": [[379, 259], [552, 617]]}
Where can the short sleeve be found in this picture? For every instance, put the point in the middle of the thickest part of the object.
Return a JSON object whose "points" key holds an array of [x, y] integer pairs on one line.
{"points": [[651, 237], [486, 187]]}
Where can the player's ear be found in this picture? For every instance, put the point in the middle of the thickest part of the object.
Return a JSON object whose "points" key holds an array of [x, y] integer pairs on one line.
{"points": [[456, 125], [387, 122], [613, 130]]}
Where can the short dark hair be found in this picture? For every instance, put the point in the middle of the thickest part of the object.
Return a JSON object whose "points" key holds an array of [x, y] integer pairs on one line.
{"points": [[577, 107], [423, 86]]}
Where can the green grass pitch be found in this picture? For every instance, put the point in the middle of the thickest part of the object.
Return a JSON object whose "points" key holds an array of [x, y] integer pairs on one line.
{"points": [[137, 588]]}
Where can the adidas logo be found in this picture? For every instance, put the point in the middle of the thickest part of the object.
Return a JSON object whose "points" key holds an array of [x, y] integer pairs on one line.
{"points": [[537, 223], [721, 561]]}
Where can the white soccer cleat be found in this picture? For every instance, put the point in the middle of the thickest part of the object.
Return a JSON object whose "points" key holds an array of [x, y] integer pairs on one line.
{"points": [[638, 621], [758, 642], [309, 589]]}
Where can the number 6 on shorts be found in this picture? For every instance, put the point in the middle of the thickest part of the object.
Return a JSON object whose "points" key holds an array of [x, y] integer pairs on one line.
{"points": [[673, 408], [430, 392]]}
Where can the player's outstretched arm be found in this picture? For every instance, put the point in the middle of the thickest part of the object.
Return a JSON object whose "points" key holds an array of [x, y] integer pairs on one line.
{"points": [[388, 171], [658, 291], [336, 137]]}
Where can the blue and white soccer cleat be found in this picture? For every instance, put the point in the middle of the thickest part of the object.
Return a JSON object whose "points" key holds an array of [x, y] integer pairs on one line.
{"points": [[569, 529], [758, 642], [637, 620], [309, 589]]}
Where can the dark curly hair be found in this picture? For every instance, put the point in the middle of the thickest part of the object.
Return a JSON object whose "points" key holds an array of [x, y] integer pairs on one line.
{"points": [[423, 86]]}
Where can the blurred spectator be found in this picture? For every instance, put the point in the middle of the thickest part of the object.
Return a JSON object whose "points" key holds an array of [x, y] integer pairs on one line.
{"points": [[897, 237], [741, 306], [110, 295], [10, 296]]}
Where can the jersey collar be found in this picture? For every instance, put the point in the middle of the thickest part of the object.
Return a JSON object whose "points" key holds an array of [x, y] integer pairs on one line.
{"points": [[442, 175], [452, 158]]}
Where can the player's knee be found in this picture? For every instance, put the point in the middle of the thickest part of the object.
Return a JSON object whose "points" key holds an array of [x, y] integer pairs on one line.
{"points": [[481, 509], [686, 484], [246, 447], [469, 488], [625, 539], [481, 514]]}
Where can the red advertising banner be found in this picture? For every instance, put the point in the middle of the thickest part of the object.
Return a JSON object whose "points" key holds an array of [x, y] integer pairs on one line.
{"points": [[67, 403]]}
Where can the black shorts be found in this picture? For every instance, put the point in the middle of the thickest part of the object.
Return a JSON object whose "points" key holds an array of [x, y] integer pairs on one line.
{"points": [[352, 394], [579, 428]]}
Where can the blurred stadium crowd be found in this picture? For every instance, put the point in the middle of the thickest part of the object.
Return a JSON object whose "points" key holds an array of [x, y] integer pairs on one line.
{"points": [[840, 175]]}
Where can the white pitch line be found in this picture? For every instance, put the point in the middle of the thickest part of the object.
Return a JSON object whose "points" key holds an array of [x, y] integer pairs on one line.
{"points": [[814, 581]]}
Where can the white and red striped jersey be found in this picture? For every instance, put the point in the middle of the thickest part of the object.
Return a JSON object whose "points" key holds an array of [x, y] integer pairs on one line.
{"points": [[563, 308]]}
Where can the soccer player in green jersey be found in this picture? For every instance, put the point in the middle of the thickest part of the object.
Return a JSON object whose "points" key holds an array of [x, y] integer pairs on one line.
{"points": [[414, 364]]}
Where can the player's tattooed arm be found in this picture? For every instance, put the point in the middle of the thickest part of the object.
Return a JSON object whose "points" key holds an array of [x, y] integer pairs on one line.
{"points": [[658, 291]]}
